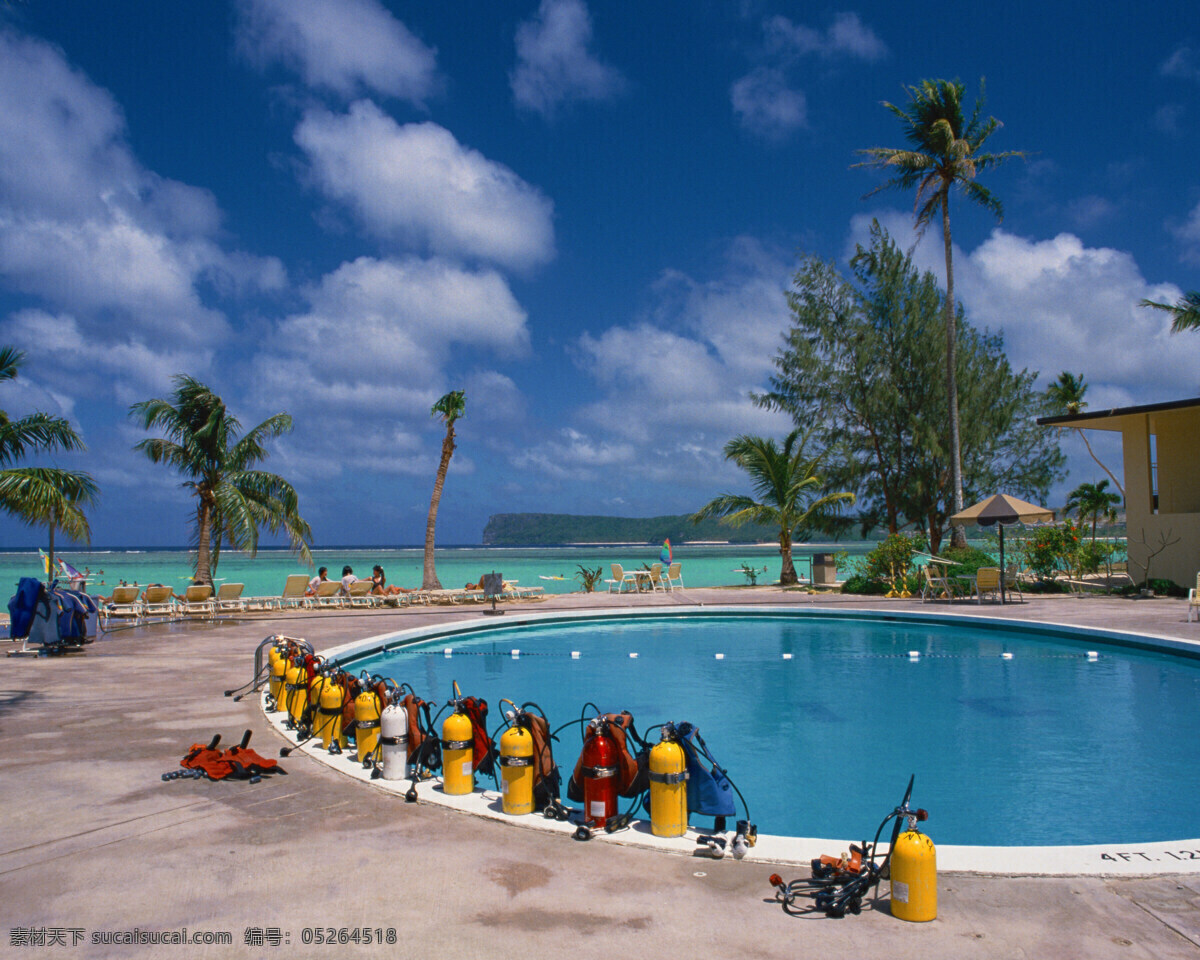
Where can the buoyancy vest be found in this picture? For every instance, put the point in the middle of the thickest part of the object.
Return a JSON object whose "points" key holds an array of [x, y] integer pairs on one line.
{"points": [[709, 791], [631, 773], [22, 606], [546, 778], [483, 758], [424, 747]]}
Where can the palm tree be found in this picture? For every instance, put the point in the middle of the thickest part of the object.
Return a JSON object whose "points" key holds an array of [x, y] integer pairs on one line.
{"points": [[1065, 396], [450, 408], [1093, 500], [944, 152], [41, 496], [787, 488], [50, 497], [1185, 311], [232, 500]]}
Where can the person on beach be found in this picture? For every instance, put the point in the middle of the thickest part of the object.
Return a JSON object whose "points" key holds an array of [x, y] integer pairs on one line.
{"points": [[381, 588], [348, 578], [320, 578]]}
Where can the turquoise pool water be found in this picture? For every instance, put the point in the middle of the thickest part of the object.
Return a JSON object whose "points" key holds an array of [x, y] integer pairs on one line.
{"points": [[1044, 748]]}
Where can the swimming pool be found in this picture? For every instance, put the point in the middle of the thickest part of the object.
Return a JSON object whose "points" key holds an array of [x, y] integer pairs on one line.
{"points": [[1047, 747]]}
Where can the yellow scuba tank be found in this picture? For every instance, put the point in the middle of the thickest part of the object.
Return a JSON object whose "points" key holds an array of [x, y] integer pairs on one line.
{"points": [[458, 774], [277, 662], [296, 691], [516, 770], [913, 869], [668, 788], [366, 724], [330, 703]]}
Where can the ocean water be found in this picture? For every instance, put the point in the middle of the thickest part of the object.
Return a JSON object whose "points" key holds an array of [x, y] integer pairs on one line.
{"points": [[706, 565]]}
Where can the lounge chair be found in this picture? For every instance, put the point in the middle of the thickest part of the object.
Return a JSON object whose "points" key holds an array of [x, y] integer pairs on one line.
{"points": [[673, 576], [360, 594], [295, 588], [198, 601], [1193, 610], [123, 604], [158, 601], [229, 598], [329, 595], [987, 582]]}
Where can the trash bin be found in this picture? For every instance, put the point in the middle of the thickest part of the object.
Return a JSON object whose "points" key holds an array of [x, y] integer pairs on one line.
{"points": [[824, 569]]}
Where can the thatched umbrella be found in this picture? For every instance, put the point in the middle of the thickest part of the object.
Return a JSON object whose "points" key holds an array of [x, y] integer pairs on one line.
{"points": [[1001, 509]]}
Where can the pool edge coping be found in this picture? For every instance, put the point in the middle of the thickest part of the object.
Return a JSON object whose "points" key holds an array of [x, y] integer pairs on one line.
{"points": [[1104, 860]]}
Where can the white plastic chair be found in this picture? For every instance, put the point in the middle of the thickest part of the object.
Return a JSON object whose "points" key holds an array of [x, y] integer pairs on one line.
{"points": [[673, 576]]}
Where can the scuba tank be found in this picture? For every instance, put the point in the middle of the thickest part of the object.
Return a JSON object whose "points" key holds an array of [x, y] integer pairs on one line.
{"points": [[598, 772], [466, 746], [295, 692], [277, 659], [393, 740], [668, 786], [458, 768], [368, 707], [517, 766], [330, 704]]}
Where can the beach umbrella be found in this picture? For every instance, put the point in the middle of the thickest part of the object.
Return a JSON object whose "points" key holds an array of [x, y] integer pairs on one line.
{"points": [[999, 510], [666, 554]]}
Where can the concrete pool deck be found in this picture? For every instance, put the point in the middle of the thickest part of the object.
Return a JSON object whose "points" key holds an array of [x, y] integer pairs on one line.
{"points": [[93, 840]]}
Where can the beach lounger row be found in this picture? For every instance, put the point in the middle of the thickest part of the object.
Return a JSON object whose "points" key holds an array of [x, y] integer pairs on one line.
{"points": [[161, 603]]}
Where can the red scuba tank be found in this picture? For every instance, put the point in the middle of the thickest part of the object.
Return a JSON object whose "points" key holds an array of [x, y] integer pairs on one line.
{"points": [[599, 773]]}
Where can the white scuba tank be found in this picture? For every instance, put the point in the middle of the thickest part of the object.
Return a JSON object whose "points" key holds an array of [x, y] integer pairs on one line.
{"points": [[393, 742]]}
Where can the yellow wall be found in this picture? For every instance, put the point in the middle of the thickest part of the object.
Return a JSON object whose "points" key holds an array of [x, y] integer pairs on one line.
{"points": [[1177, 443]]}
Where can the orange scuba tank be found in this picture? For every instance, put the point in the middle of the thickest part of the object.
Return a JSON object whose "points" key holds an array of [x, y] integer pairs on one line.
{"points": [[599, 771]]}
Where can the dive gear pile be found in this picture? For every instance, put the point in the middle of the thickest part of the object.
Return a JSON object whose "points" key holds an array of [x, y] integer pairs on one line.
{"points": [[236, 763], [838, 885], [396, 735]]}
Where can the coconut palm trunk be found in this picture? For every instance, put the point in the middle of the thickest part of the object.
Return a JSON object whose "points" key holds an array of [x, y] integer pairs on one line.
{"points": [[449, 407], [203, 543], [429, 578], [958, 535], [787, 569]]}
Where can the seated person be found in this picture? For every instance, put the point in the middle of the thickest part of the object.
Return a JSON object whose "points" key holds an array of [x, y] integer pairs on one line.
{"points": [[381, 588], [321, 577], [348, 578]]}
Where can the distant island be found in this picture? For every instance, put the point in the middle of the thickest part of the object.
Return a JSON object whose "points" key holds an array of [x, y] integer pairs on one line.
{"points": [[550, 529]]}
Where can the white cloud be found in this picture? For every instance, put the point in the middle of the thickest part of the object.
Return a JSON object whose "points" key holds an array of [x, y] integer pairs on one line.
{"points": [[846, 36], [766, 105], [1183, 63], [1188, 233], [380, 341], [382, 321], [124, 259], [554, 64], [128, 366], [346, 46], [418, 184], [764, 100], [1089, 210], [1166, 118], [1064, 306], [675, 382]]}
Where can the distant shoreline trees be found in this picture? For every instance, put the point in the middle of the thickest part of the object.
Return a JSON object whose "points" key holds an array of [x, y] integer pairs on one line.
{"points": [[862, 364]]}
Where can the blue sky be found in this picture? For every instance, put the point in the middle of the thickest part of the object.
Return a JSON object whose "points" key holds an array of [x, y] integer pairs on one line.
{"points": [[585, 215]]}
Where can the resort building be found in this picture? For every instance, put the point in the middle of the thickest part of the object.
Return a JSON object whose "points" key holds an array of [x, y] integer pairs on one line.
{"points": [[1161, 443]]}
